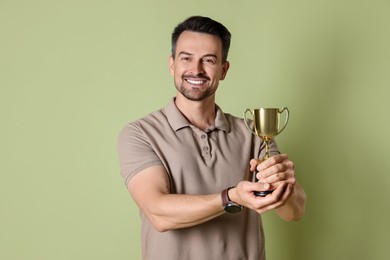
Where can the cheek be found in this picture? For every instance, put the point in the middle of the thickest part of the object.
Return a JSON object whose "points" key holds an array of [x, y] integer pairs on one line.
{"points": [[179, 70], [177, 77], [217, 72], [178, 74]]}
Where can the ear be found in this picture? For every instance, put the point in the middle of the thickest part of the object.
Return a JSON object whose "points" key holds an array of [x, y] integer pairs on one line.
{"points": [[171, 65], [225, 69]]}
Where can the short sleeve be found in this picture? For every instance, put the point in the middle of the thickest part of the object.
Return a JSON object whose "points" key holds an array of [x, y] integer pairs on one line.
{"points": [[135, 152]]}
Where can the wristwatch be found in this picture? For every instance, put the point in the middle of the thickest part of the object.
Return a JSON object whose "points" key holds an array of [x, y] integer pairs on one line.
{"points": [[228, 205]]}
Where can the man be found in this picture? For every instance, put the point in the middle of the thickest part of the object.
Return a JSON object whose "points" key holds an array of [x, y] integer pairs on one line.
{"points": [[189, 166]]}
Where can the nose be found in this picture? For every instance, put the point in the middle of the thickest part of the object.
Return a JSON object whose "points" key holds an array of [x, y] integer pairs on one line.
{"points": [[197, 68]]}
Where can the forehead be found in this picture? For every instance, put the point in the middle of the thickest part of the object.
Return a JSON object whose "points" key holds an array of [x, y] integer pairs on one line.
{"points": [[199, 43]]}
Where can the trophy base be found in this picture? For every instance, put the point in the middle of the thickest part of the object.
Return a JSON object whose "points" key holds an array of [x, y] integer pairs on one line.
{"points": [[263, 193]]}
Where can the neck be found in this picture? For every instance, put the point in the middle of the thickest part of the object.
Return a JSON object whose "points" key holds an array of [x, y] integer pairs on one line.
{"points": [[199, 113]]}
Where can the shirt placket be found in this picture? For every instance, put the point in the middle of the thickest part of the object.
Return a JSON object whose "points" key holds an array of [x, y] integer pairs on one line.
{"points": [[204, 144]]}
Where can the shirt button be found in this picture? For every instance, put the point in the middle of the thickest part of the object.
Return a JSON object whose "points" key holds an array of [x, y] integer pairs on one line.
{"points": [[205, 148], [203, 136]]}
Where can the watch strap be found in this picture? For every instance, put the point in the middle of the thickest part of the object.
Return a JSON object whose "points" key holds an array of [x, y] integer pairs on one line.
{"points": [[225, 196], [228, 205]]}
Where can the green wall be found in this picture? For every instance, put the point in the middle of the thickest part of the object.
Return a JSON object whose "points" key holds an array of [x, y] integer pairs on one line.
{"points": [[73, 73]]}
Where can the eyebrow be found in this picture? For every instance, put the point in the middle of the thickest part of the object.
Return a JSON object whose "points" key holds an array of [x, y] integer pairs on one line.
{"points": [[190, 54], [184, 53]]}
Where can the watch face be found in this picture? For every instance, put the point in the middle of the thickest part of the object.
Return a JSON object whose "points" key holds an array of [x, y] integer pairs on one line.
{"points": [[232, 207]]}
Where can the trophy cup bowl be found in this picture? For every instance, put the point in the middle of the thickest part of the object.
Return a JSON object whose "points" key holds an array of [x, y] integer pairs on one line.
{"points": [[266, 125]]}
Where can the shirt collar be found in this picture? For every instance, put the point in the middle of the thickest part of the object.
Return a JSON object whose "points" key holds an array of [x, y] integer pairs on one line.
{"points": [[178, 121]]}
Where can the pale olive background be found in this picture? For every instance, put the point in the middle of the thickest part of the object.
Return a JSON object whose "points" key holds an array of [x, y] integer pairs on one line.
{"points": [[73, 73]]}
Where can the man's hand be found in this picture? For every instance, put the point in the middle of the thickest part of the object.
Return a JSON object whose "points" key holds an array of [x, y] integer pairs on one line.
{"points": [[276, 173], [275, 170], [244, 195]]}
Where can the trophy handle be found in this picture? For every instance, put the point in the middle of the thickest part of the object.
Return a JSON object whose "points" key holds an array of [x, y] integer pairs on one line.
{"points": [[246, 120], [287, 116]]}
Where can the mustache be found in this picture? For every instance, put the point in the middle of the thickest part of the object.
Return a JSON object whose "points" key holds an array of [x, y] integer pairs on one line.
{"points": [[198, 76]]}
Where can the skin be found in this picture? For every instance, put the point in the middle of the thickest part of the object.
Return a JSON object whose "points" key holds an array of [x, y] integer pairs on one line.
{"points": [[197, 69]]}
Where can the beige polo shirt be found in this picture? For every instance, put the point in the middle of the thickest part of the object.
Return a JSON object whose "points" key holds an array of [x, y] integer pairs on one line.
{"points": [[197, 162]]}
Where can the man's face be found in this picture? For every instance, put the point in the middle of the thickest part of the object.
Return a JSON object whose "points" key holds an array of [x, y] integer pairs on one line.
{"points": [[197, 66]]}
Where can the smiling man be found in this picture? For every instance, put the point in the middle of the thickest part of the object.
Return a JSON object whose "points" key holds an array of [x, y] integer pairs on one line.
{"points": [[197, 65], [189, 166]]}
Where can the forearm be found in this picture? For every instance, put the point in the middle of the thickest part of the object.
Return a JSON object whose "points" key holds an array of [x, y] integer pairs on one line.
{"points": [[174, 211], [294, 208], [167, 211]]}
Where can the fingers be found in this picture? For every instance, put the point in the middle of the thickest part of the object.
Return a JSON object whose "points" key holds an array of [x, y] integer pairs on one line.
{"points": [[244, 195], [274, 200], [276, 169], [275, 159], [276, 177], [253, 164]]}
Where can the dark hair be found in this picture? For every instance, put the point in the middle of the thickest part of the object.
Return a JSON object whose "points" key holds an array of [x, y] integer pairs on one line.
{"points": [[203, 25]]}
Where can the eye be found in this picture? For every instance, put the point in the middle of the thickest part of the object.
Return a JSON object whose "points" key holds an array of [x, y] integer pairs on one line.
{"points": [[209, 60], [185, 58]]}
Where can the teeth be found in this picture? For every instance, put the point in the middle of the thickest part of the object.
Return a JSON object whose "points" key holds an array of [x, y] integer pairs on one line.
{"points": [[195, 82]]}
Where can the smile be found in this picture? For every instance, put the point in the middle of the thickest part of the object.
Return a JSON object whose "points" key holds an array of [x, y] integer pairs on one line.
{"points": [[196, 82]]}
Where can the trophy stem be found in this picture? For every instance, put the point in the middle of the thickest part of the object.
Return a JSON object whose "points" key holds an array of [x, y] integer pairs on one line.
{"points": [[266, 156]]}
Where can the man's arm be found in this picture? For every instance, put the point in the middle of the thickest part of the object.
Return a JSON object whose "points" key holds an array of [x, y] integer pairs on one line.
{"points": [[150, 190], [294, 208]]}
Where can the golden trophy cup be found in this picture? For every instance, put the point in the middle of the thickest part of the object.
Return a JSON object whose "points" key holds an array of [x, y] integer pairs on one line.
{"points": [[266, 125]]}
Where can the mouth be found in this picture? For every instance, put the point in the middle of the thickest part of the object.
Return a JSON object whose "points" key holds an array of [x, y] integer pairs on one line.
{"points": [[197, 81]]}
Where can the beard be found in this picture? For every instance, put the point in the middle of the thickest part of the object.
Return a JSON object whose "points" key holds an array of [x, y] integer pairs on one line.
{"points": [[194, 93]]}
